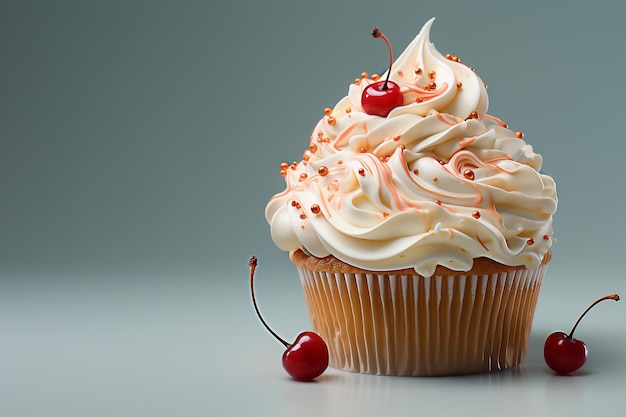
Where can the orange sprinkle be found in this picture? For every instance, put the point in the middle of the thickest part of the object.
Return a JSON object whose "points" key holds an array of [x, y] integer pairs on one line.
{"points": [[364, 75], [519, 135], [313, 148], [375, 77], [315, 209], [323, 171], [328, 111]]}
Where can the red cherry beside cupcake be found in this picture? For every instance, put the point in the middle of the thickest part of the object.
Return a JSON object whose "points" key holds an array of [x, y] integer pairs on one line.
{"points": [[563, 353], [307, 357]]}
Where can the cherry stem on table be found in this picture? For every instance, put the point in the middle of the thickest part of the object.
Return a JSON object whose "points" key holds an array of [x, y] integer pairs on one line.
{"points": [[252, 264], [608, 297]]}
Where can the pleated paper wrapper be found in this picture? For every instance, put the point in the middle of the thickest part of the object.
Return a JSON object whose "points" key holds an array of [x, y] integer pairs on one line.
{"points": [[388, 324]]}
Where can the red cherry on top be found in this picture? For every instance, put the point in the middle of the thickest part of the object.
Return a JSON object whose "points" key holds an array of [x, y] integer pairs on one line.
{"points": [[381, 97], [307, 357], [563, 353]]}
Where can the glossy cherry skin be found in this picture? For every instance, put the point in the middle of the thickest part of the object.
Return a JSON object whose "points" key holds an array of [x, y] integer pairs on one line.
{"points": [[379, 101], [306, 358], [563, 354]]}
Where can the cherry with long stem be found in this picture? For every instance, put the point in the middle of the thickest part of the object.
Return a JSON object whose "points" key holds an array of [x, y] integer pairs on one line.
{"points": [[307, 357], [379, 98], [564, 354]]}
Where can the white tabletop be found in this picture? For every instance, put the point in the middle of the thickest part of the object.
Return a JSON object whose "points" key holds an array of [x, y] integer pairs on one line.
{"points": [[175, 343]]}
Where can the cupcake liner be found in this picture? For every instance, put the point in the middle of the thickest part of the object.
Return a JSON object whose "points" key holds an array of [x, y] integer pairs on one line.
{"points": [[397, 324]]}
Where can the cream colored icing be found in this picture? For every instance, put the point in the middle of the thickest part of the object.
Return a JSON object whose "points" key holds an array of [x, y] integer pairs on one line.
{"points": [[436, 182]]}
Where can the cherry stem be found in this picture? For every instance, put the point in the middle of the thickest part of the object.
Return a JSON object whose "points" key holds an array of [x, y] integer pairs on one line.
{"points": [[252, 264], [608, 297], [377, 33]]}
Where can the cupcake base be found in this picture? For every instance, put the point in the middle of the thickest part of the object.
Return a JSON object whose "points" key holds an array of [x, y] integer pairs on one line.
{"points": [[401, 323]]}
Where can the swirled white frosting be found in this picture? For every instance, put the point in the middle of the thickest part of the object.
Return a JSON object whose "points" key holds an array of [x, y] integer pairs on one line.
{"points": [[436, 182]]}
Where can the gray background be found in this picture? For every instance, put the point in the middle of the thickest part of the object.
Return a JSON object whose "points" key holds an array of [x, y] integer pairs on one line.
{"points": [[140, 142]]}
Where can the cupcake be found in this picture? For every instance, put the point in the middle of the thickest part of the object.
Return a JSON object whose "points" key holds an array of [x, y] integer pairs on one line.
{"points": [[421, 229]]}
